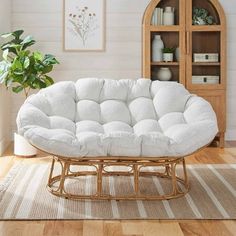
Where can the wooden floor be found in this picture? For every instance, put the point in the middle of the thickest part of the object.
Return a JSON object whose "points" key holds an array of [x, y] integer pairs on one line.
{"points": [[210, 155]]}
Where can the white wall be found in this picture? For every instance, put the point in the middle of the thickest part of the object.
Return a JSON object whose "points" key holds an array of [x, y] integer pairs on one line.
{"points": [[122, 58], [5, 26]]}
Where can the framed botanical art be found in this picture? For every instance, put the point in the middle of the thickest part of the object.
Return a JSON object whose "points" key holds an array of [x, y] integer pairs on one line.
{"points": [[84, 25]]}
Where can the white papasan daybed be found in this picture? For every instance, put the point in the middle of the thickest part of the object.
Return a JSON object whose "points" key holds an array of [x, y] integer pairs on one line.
{"points": [[149, 127]]}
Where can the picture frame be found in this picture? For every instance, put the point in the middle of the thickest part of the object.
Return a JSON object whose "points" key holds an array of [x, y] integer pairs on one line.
{"points": [[84, 25]]}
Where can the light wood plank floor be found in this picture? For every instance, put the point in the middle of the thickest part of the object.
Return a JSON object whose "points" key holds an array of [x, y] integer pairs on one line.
{"points": [[210, 155]]}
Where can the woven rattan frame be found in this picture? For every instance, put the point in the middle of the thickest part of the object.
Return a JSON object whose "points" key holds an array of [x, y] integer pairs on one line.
{"points": [[180, 185]]}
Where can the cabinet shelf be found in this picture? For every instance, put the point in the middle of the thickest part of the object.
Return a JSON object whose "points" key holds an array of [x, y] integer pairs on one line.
{"points": [[162, 63], [205, 28], [206, 63], [163, 28]]}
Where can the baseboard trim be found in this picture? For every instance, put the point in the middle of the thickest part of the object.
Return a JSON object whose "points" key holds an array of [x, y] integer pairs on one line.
{"points": [[4, 143], [230, 135]]}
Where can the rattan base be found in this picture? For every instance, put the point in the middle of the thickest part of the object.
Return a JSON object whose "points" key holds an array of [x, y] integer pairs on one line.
{"points": [[180, 186]]}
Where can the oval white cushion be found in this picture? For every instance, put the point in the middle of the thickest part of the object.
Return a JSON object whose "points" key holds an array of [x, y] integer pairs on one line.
{"points": [[102, 117]]}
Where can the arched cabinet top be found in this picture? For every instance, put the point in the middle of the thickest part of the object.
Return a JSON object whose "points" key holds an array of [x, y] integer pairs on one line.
{"points": [[215, 9], [149, 11]]}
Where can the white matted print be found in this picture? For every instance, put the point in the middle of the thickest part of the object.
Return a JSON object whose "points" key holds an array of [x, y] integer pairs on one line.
{"points": [[84, 25]]}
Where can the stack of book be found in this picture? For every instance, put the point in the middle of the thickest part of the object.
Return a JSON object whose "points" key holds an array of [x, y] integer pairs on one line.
{"points": [[157, 17]]}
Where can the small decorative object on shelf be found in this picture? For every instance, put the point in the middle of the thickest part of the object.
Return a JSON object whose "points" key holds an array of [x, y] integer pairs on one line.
{"points": [[157, 47], [157, 16], [168, 54], [206, 57], [201, 17], [205, 79], [177, 54], [168, 16], [164, 74]]}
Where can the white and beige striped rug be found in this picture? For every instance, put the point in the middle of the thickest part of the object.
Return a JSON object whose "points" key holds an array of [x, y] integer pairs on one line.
{"points": [[23, 195]]}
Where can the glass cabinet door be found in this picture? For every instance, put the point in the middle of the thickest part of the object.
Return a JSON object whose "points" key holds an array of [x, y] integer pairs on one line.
{"points": [[205, 46]]}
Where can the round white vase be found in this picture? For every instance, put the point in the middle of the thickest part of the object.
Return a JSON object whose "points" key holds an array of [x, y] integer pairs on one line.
{"points": [[157, 46], [22, 147], [168, 16], [168, 57], [164, 74]]}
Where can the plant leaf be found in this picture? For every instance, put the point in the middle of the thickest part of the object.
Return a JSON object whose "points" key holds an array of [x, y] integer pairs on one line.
{"points": [[5, 54], [47, 69], [3, 77], [6, 35], [30, 79], [28, 41], [16, 34], [4, 71], [38, 56], [18, 72], [39, 84], [16, 64], [9, 82], [50, 60], [17, 89], [12, 47], [26, 63], [48, 80]]}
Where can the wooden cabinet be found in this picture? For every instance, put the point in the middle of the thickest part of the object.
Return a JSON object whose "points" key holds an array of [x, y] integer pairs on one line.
{"points": [[191, 39], [217, 100]]}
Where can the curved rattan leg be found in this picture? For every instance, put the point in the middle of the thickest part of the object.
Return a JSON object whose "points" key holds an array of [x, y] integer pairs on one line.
{"points": [[185, 174], [136, 178], [167, 170], [99, 179], [63, 177], [51, 171], [174, 180]]}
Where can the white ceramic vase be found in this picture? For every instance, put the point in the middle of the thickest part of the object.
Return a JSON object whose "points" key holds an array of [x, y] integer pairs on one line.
{"points": [[169, 16], [22, 147], [164, 74], [157, 46], [168, 57]]}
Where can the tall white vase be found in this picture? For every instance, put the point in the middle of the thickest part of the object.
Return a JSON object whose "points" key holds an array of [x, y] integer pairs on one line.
{"points": [[157, 46], [22, 147], [169, 16]]}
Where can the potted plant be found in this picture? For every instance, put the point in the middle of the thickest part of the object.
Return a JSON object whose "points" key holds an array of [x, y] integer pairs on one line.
{"points": [[168, 54], [23, 70], [201, 17]]}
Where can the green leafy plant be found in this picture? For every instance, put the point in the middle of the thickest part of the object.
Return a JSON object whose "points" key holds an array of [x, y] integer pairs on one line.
{"points": [[168, 50], [22, 69], [201, 17]]}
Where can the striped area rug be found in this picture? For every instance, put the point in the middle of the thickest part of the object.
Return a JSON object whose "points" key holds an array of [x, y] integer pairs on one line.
{"points": [[23, 195]]}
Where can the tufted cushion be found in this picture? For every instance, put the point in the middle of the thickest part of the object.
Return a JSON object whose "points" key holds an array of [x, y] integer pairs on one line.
{"points": [[101, 117]]}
